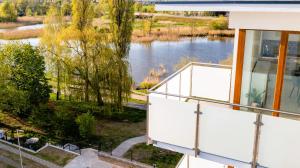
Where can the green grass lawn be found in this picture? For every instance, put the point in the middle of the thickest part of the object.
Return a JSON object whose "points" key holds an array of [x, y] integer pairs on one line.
{"points": [[151, 155], [56, 156]]}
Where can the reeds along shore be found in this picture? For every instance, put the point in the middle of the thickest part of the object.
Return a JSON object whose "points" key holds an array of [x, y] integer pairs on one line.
{"points": [[22, 21], [174, 34], [21, 34]]}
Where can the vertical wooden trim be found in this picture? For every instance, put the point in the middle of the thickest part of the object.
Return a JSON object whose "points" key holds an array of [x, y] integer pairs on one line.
{"points": [[239, 68], [280, 71]]}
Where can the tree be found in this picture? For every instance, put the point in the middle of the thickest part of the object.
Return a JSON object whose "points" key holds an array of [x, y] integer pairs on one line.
{"points": [[26, 74], [87, 124], [51, 43], [221, 23], [121, 15], [82, 18], [147, 26], [21, 7], [66, 9], [8, 13], [28, 11]]}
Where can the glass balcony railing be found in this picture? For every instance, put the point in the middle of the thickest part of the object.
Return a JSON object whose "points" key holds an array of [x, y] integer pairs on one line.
{"points": [[186, 119]]}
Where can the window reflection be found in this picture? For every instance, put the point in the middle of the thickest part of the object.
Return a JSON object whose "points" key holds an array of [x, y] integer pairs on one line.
{"points": [[260, 68], [290, 98]]}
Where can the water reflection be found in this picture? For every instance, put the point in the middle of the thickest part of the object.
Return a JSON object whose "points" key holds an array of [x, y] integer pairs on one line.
{"points": [[29, 27]]}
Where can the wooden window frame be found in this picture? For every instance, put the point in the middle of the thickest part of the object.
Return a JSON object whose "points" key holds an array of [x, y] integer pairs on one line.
{"points": [[239, 68], [280, 68]]}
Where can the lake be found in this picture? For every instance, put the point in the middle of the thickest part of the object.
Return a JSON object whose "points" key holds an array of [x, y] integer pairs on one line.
{"points": [[144, 57]]}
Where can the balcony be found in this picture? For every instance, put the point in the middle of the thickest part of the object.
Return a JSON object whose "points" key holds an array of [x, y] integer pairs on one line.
{"points": [[190, 113]]}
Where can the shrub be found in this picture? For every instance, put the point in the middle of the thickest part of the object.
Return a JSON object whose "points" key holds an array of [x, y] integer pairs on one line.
{"points": [[66, 9], [29, 12], [8, 13], [147, 85], [220, 24], [87, 124]]}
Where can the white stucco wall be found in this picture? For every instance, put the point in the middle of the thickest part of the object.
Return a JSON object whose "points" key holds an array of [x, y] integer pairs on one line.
{"points": [[265, 20]]}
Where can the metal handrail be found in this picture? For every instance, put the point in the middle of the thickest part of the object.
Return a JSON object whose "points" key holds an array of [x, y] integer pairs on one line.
{"points": [[225, 103], [185, 67]]}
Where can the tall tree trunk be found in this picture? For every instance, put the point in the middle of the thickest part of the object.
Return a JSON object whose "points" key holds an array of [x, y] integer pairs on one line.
{"points": [[99, 98], [86, 70], [86, 86], [120, 90], [58, 91]]}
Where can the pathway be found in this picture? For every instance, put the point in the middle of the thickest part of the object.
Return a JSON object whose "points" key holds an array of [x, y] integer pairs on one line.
{"points": [[89, 159], [28, 156], [126, 145]]}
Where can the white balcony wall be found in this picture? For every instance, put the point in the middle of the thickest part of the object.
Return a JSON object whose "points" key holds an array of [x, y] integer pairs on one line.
{"points": [[186, 82], [173, 87], [207, 82], [279, 143], [161, 89], [172, 121], [226, 132], [193, 162], [211, 82]]}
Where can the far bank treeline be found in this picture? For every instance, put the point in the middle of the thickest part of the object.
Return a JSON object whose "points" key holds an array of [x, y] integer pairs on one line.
{"points": [[75, 61]]}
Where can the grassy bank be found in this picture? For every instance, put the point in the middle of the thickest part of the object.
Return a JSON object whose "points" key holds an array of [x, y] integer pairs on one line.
{"points": [[163, 28], [110, 131], [56, 156], [21, 34], [151, 155], [175, 33], [22, 21]]}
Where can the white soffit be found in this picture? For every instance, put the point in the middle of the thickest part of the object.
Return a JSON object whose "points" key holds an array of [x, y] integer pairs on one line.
{"points": [[265, 20], [230, 7]]}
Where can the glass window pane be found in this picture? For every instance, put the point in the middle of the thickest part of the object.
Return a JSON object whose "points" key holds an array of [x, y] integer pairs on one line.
{"points": [[290, 98], [260, 68]]}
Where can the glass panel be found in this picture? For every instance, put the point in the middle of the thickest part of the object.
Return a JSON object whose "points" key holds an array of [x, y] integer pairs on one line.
{"points": [[226, 132], [279, 143], [171, 120], [290, 98], [260, 68]]}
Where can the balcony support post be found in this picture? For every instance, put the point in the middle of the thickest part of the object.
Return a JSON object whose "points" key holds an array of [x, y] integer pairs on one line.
{"points": [[149, 141], [167, 90], [258, 123], [191, 81], [198, 113], [180, 86]]}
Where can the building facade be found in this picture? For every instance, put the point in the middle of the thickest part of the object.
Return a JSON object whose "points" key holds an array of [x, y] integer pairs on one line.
{"points": [[244, 115]]}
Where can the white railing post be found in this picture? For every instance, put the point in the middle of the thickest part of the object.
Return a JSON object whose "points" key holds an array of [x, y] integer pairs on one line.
{"points": [[198, 113], [191, 81], [180, 86], [258, 123]]}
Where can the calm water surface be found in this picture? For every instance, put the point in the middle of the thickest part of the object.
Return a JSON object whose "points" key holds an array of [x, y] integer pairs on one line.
{"points": [[29, 27], [144, 57]]}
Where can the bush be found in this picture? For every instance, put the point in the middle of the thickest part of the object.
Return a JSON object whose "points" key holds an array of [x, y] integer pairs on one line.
{"points": [[8, 13], [147, 85], [220, 24], [66, 9], [29, 12], [13, 100], [87, 125]]}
